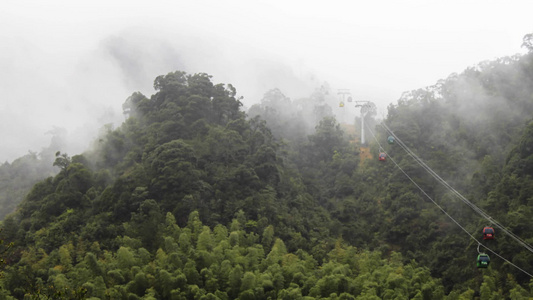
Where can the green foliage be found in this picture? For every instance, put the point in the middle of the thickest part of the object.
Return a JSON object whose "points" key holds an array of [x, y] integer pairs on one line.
{"points": [[4, 251], [190, 199], [18, 178], [242, 271]]}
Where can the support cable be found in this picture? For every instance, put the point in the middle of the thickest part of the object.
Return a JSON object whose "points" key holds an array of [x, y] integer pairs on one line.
{"points": [[456, 193], [444, 211]]}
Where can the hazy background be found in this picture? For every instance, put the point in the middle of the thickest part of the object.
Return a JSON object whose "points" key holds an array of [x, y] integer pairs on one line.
{"points": [[67, 66]]}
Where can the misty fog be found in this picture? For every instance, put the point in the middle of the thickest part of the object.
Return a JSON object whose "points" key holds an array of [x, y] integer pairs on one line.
{"points": [[69, 67]]}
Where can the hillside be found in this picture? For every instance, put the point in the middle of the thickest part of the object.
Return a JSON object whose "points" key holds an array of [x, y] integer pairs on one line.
{"points": [[18, 177], [190, 198]]}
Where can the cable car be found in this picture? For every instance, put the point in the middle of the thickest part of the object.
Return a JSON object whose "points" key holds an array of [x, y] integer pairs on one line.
{"points": [[488, 233], [483, 260], [341, 104], [390, 139], [350, 99], [382, 156]]}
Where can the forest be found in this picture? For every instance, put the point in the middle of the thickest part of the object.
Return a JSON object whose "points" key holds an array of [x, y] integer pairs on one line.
{"points": [[192, 197]]}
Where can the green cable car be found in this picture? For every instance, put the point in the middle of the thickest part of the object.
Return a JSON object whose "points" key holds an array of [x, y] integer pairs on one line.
{"points": [[390, 139], [483, 260]]}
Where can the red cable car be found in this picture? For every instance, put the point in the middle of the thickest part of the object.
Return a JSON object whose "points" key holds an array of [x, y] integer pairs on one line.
{"points": [[382, 156], [488, 233]]}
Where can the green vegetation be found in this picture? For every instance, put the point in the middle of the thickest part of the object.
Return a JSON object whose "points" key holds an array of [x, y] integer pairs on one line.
{"points": [[17, 179], [196, 262], [190, 198]]}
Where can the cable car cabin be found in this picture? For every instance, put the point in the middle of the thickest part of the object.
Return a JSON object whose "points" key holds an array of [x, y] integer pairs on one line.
{"points": [[350, 99], [483, 260], [488, 233], [390, 139], [382, 156], [341, 104]]}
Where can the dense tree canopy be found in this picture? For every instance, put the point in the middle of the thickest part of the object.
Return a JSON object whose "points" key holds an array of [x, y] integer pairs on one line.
{"points": [[191, 198]]}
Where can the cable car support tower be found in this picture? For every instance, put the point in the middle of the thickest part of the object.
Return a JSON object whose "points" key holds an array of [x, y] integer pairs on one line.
{"points": [[367, 107]]}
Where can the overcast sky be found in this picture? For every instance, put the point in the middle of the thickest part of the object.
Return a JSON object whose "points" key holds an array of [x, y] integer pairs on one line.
{"points": [[71, 64]]}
